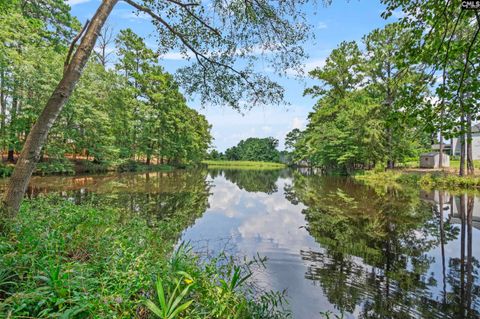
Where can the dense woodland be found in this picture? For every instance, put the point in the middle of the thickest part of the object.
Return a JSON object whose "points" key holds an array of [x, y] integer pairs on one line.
{"points": [[384, 100], [125, 106]]}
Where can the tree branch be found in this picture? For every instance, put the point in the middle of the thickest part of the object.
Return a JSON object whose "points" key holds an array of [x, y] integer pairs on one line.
{"points": [[185, 42], [185, 7], [467, 56], [72, 46]]}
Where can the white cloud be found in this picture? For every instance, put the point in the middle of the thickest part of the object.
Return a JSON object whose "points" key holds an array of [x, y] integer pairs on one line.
{"points": [[309, 66], [176, 56], [298, 123], [314, 63], [322, 25], [75, 2], [266, 128]]}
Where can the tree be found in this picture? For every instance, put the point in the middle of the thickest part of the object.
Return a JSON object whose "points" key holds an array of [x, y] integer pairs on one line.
{"points": [[444, 42], [366, 111], [254, 149], [234, 32]]}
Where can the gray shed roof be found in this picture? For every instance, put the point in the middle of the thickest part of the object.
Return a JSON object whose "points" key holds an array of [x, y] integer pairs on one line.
{"points": [[429, 154]]}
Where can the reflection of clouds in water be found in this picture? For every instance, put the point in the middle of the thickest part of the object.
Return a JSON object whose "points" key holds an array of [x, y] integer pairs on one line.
{"points": [[267, 224], [224, 197], [278, 222]]}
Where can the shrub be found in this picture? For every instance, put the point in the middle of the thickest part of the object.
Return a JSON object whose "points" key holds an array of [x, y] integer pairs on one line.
{"points": [[6, 170], [56, 166]]}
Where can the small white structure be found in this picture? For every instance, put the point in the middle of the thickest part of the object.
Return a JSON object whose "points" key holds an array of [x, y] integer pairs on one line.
{"points": [[432, 160]]}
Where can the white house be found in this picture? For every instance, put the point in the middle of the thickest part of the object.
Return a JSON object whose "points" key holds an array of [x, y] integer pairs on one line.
{"points": [[455, 145]]}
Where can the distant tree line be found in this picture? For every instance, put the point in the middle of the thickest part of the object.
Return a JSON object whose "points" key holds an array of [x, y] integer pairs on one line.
{"points": [[251, 149]]}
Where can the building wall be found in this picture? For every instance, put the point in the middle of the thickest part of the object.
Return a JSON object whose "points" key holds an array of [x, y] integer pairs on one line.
{"points": [[475, 146]]}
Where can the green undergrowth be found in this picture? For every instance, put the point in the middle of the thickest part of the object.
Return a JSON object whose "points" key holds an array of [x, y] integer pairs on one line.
{"points": [[134, 166], [437, 180], [61, 260], [243, 164], [6, 169], [57, 166]]}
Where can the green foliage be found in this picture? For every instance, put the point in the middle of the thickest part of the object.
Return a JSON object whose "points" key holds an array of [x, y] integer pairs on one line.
{"points": [[172, 308], [134, 111], [428, 181], [361, 227], [6, 169], [134, 166], [254, 149], [67, 261], [60, 166], [243, 164], [365, 114]]}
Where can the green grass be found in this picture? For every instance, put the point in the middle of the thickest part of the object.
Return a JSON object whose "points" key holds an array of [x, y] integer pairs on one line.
{"points": [[438, 180], [456, 164], [61, 260], [243, 164]]}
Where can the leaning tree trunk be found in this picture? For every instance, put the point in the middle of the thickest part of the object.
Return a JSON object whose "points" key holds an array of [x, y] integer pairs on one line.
{"points": [[36, 138]]}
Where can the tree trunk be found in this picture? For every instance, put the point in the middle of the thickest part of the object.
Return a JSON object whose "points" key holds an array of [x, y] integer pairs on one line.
{"points": [[461, 172], [469, 267], [36, 138], [10, 155], [3, 104], [442, 244], [470, 167], [440, 155], [13, 119]]}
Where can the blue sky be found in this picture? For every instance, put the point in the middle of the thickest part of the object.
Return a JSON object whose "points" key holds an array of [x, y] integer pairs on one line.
{"points": [[341, 21]]}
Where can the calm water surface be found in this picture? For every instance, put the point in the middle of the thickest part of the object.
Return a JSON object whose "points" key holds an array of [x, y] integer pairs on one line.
{"points": [[334, 244]]}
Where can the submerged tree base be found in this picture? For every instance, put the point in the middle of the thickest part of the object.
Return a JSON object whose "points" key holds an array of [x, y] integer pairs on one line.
{"points": [[70, 261]]}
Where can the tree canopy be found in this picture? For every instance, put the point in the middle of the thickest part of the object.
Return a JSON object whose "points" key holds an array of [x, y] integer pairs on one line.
{"points": [[254, 149]]}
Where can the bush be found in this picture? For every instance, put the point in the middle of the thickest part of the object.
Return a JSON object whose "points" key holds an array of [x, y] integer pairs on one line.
{"points": [[6, 170], [134, 166], [56, 166], [91, 167]]}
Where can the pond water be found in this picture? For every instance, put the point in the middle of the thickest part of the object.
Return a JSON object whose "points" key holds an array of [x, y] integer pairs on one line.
{"points": [[334, 244]]}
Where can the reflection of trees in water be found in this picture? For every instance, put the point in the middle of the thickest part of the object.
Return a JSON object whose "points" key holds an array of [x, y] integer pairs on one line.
{"points": [[376, 245], [462, 273], [251, 180], [176, 197]]}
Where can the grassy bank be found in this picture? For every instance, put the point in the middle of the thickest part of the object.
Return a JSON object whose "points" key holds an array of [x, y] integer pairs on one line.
{"points": [[454, 164], [60, 260], [244, 164], [439, 180]]}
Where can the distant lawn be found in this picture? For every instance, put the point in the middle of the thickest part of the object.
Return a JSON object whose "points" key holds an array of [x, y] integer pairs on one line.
{"points": [[243, 164], [456, 164], [453, 164]]}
